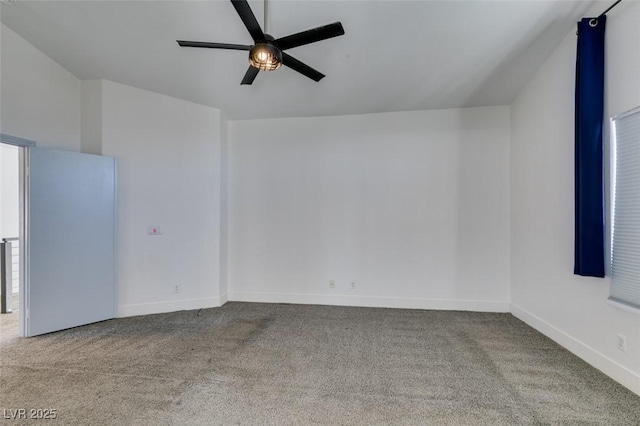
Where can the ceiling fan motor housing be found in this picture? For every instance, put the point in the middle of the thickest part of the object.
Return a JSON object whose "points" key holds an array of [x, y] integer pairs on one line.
{"points": [[265, 56]]}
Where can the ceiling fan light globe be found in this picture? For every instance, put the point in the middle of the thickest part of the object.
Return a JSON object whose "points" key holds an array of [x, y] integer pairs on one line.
{"points": [[265, 57]]}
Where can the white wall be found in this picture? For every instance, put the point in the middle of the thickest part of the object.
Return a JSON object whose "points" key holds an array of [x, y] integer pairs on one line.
{"points": [[545, 293], [40, 99], [168, 153], [413, 207]]}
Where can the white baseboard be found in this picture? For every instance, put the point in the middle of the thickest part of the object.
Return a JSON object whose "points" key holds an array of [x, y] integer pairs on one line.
{"points": [[170, 306], [372, 301], [224, 298], [617, 372]]}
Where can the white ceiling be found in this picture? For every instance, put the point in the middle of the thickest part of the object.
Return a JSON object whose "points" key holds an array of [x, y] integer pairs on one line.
{"points": [[395, 56]]}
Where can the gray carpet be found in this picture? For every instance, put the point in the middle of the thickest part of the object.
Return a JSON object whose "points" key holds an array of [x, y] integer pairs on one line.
{"points": [[249, 363]]}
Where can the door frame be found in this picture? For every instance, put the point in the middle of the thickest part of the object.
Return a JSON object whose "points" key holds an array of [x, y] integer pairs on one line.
{"points": [[23, 144]]}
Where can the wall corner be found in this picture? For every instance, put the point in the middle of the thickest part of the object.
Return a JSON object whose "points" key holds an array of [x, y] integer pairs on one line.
{"points": [[91, 117]]}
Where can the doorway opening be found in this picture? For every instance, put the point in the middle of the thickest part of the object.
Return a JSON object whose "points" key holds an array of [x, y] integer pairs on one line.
{"points": [[11, 259]]}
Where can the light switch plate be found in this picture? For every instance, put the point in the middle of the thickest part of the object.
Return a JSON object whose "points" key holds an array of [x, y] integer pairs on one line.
{"points": [[154, 230]]}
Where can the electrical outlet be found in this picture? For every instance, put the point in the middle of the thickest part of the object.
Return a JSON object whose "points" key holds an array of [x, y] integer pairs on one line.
{"points": [[176, 288], [353, 285], [332, 284], [622, 342]]}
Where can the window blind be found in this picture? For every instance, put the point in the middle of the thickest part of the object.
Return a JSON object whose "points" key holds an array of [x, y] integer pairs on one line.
{"points": [[625, 240]]}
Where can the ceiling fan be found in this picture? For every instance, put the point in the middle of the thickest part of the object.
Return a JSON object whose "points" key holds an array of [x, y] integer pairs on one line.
{"points": [[267, 54]]}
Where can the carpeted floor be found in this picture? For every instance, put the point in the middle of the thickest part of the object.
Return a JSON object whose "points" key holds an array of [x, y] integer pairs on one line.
{"points": [[249, 363]]}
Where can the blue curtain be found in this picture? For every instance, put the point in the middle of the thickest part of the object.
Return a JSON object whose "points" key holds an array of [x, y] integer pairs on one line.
{"points": [[589, 182]]}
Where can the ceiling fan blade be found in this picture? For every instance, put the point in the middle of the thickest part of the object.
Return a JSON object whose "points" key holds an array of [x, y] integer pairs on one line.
{"points": [[302, 68], [310, 36], [185, 43], [250, 21], [250, 75]]}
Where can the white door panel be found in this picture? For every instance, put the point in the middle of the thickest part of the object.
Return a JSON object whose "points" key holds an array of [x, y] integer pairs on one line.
{"points": [[70, 278]]}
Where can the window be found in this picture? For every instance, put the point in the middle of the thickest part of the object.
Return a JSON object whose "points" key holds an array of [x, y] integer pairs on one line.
{"points": [[625, 235]]}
